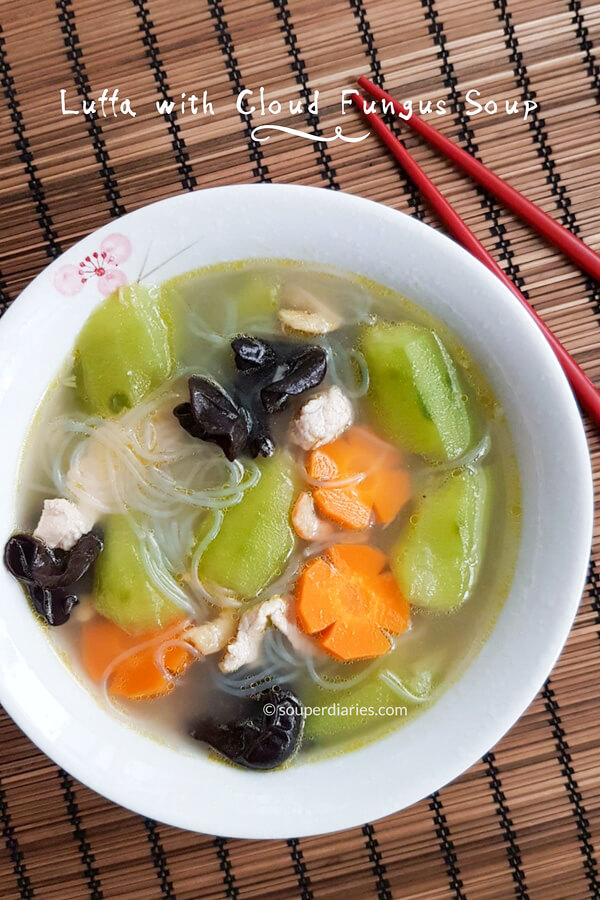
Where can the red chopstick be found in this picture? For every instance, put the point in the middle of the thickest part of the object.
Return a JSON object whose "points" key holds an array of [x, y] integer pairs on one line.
{"points": [[585, 390], [582, 255]]}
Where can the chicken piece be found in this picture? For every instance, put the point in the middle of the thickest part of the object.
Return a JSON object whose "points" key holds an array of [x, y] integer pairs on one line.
{"points": [[280, 618], [99, 479], [307, 524], [90, 480], [62, 523], [304, 311], [322, 419], [307, 322], [210, 637], [245, 649]]}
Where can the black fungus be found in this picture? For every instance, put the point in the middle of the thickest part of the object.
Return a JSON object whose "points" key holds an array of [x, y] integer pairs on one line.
{"points": [[266, 734], [260, 439], [19, 554], [277, 370], [32, 562], [183, 413], [253, 354], [54, 605], [212, 415], [305, 370], [50, 573], [71, 565], [269, 374]]}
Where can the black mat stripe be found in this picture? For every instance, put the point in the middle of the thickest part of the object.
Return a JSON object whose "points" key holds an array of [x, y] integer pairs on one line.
{"points": [[512, 848], [299, 69], [366, 36], [75, 57], [87, 857], [231, 888], [566, 763], [586, 45], [379, 869], [188, 180], [446, 845], [300, 869], [260, 170], [26, 891], [159, 860], [492, 211], [537, 127], [536, 123], [26, 156]]}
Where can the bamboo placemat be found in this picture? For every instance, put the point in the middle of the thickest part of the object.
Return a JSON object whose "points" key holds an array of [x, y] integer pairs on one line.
{"points": [[525, 821]]}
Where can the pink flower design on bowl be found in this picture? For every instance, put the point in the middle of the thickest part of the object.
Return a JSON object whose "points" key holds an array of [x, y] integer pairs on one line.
{"points": [[117, 248], [101, 264], [111, 280], [68, 281]]}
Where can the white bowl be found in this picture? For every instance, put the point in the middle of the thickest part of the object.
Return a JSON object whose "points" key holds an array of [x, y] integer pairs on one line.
{"points": [[303, 223]]}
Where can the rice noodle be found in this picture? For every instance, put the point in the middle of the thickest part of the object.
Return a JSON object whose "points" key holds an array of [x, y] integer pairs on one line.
{"points": [[140, 453], [217, 596], [398, 687], [197, 325], [159, 658], [348, 384], [281, 664], [281, 585], [336, 482], [477, 454], [127, 654], [159, 572], [278, 665], [339, 684], [143, 465]]}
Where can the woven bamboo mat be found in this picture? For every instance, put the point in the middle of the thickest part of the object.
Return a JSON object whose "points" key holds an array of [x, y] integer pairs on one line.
{"points": [[525, 821]]}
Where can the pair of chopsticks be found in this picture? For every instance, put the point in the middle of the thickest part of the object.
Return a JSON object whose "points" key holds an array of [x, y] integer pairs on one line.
{"points": [[582, 255]]}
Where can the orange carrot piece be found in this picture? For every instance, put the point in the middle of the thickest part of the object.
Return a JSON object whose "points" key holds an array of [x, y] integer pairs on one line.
{"points": [[392, 614], [358, 640], [381, 487], [137, 676], [357, 558], [347, 599], [317, 581], [343, 506], [390, 491]]}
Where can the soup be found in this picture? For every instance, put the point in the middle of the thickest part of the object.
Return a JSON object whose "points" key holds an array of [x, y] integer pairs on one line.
{"points": [[267, 510]]}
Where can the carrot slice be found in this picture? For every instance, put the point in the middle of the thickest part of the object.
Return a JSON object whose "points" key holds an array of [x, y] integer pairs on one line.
{"points": [[318, 580], [390, 491], [138, 675], [372, 480], [347, 599], [344, 507], [359, 640], [358, 558]]}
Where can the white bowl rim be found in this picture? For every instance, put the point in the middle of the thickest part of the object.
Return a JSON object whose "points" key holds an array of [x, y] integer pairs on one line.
{"points": [[286, 804]]}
